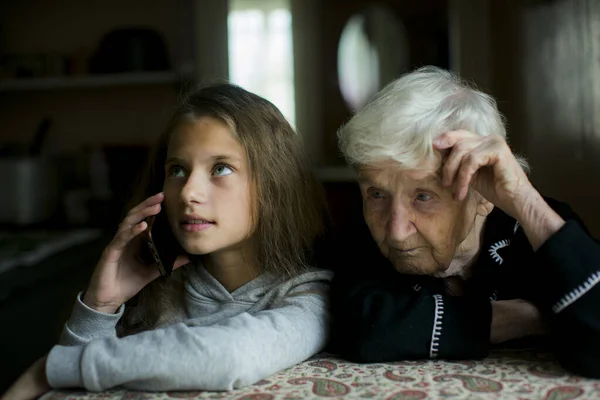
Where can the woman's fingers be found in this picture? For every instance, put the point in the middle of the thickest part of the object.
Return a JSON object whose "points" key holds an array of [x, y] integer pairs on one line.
{"points": [[448, 139], [468, 168], [454, 159], [483, 156], [459, 143], [468, 153]]}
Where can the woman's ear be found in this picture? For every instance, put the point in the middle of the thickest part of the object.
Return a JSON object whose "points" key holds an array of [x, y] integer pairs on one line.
{"points": [[484, 207]]}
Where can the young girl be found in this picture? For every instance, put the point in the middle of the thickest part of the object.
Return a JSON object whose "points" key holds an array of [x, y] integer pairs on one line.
{"points": [[231, 177]]}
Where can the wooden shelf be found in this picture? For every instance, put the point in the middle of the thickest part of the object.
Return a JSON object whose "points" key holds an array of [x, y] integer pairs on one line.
{"points": [[91, 81]]}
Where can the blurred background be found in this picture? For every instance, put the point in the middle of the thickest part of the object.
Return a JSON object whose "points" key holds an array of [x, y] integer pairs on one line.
{"points": [[86, 87]]}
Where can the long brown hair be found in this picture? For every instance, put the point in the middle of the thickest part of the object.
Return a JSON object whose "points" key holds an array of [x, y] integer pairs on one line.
{"points": [[289, 209]]}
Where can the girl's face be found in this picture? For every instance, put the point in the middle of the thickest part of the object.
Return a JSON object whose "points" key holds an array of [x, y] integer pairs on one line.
{"points": [[207, 188]]}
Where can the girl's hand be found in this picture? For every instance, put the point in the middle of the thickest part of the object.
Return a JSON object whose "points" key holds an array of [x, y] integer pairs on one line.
{"points": [[31, 384], [487, 164], [120, 273]]}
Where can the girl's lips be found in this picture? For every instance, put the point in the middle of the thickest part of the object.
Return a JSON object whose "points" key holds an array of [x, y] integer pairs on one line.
{"points": [[196, 226]]}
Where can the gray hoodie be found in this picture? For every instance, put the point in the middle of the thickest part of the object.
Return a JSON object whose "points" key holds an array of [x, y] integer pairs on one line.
{"points": [[228, 340]]}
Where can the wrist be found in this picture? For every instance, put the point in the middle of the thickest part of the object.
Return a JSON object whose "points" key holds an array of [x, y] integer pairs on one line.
{"points": [[513, 319], [106, 307], [524, 202], [43, 377], [538, 219]]}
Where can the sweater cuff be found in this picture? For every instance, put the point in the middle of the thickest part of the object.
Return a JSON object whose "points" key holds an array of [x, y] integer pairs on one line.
{"points": [[88, 323], [571, 259], [463, 328], [63, 367]]}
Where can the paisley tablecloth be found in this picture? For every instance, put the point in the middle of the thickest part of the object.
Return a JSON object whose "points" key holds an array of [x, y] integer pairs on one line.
{"points": [[506, 374]]}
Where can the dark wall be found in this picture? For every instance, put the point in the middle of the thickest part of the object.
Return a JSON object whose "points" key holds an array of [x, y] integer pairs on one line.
{"points": [[426, 24]]}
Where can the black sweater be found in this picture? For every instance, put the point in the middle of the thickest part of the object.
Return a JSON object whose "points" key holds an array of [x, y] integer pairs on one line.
{"points": [[382, 315]]}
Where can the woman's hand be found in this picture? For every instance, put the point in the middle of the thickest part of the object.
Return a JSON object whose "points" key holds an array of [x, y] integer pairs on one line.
{"points": [[487, 164], [514, 319], [31, 384], [120, 273]]}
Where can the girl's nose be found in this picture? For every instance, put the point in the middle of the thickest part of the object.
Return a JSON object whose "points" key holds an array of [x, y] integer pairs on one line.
{"points": [[195, 189]]}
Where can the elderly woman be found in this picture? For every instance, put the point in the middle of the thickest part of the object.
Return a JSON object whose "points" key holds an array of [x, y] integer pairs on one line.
{"points": [[463, 251]]}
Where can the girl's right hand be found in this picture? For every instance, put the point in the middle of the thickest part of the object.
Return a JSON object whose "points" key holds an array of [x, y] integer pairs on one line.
{"points": [[120, 273]]}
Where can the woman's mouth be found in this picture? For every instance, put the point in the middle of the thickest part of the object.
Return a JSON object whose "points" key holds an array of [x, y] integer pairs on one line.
{"points": [[408, 251]]}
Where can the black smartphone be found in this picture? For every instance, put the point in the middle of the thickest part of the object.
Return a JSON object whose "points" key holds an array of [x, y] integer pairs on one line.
{"points": [[159, 244]]}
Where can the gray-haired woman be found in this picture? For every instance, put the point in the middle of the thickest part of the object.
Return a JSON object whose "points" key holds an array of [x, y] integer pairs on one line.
{"points": [[464, 252]]}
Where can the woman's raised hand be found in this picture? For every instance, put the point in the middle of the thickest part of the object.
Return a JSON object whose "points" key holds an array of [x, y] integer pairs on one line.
{"points": [[487, 164]]}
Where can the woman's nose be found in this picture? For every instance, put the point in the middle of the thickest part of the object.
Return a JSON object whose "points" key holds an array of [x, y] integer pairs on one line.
{"points": [[400, 225]]}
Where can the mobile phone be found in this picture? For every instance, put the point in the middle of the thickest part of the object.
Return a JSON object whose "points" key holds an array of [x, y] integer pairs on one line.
{"points": [[160, 246]]}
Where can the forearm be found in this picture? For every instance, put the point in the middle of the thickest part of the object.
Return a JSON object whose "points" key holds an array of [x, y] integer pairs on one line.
{"points": [[571, 260], [86, 324], [538, 220], [31, 384], [237, 352], [514, 319]]}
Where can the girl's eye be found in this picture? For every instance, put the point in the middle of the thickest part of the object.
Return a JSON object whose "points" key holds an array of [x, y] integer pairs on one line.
{"points": [[424, 197], [222, 170], [176, 171]]}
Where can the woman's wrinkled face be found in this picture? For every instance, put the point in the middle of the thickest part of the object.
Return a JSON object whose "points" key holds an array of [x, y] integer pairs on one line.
{"points": [[416, 222]]}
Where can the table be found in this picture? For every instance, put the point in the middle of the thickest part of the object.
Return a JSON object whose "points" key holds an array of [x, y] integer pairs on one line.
{"points": [[506, 374]]}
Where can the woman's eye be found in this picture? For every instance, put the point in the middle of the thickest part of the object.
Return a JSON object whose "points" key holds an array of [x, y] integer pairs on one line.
{"points": [[222, 170], [176, 171], [376, 194], [423, 197]]}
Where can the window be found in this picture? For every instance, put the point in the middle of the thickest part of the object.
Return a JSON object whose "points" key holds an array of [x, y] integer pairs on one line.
{"points": [[260, 51]]}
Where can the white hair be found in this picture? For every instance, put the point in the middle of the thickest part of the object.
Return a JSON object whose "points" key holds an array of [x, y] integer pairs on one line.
{"points": [[401, 121]]}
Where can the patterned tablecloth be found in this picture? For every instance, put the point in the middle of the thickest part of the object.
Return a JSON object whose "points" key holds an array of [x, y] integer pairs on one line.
{"points": [[520, 375]]}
